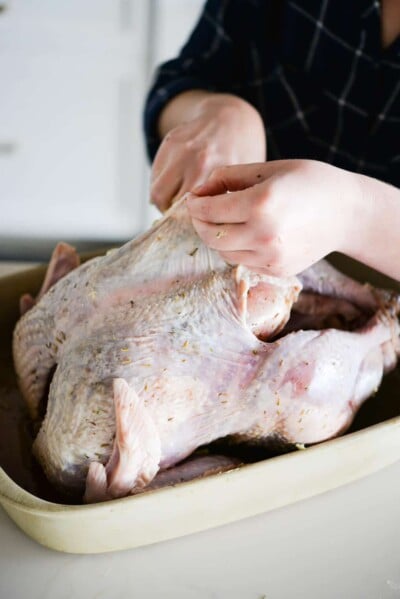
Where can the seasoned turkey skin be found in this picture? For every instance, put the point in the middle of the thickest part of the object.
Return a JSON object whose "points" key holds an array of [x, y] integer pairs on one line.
{"points": [[160, 347]]}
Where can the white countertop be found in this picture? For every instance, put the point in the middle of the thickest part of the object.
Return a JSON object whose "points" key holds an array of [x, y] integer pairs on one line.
{"points": [[340, 544]]}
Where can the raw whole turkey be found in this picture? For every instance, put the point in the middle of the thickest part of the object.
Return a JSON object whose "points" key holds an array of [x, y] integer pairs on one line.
{"points": [[141, 356]]}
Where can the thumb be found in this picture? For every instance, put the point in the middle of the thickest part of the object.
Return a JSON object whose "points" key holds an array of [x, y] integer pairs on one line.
{"points": [[234, 178]]}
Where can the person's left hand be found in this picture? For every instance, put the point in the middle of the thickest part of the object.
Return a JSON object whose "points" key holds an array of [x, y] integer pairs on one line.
{"points": [[280, 217]]}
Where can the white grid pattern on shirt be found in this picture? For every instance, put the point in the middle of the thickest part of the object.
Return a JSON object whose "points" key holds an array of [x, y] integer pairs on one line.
{"points": [[374, 6], [329, 33], [219, 30], [256, 81], [261, 99], [317, 33], [343, 96], [389, 63], [348, 104], [383, 114], [347, 155], [286, 122], [299, 112], [218, 37]]}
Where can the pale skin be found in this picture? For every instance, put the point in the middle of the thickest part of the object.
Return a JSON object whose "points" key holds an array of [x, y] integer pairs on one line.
{"points": [[285, 215], [279, 217], [201, 131]]}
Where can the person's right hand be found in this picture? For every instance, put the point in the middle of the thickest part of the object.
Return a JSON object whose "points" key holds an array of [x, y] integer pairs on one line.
{"points": [[223, 130]]}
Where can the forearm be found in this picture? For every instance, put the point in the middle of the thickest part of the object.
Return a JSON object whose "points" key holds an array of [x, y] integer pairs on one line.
{"points": [[190, 104], [375, 233], [180, 109]]}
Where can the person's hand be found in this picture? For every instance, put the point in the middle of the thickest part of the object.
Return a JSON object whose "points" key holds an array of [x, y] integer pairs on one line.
{"points": [[280, 217], [224, 130]]}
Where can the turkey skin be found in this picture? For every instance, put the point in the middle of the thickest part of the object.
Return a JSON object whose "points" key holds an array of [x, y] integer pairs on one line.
{"points": [[133, 360]]}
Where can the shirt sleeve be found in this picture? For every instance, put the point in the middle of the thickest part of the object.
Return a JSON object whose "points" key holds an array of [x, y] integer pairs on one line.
{"points": [[208, 61]]}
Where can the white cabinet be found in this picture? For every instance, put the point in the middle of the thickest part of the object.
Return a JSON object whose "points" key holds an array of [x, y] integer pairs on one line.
{"points": [[74, 75], [171, 24], [73, 80]]}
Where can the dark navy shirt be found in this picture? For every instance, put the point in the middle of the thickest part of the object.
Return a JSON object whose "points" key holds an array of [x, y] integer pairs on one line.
{"points": [[314, 69]]}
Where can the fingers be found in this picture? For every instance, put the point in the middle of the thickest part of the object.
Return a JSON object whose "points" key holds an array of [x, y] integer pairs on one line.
{"points": [[164, 188], [234, 178], [234, 207], [244, 257], [168, 175], [222, 237], [264, 264], [210, 202], [241, 244], [174, 181], [192, 178]]}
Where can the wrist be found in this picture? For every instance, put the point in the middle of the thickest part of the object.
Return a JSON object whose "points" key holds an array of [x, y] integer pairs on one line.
{"points": [[242, 120], [180, 109], [375, 236], [373, 211], [355, 210], [230, 108]]}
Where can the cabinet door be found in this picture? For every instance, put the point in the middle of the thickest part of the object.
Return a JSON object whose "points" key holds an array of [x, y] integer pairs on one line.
{"points": [[71, 148], [171, 24]]}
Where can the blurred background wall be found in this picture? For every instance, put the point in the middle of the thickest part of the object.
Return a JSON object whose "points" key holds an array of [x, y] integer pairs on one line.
{"points": [[73, 78]]}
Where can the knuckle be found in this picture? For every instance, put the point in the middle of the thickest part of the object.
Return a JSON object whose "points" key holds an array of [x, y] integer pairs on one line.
{"points": [[177, 138], [259, 206], [173, 134], [269, 239], [276, 260], [188, 145], [203, 160], [265, 241], [276, 254]]}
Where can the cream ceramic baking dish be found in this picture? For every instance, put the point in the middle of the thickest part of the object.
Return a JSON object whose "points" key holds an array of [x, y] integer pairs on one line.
{"points": [[197, 505], [205, 503]]}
